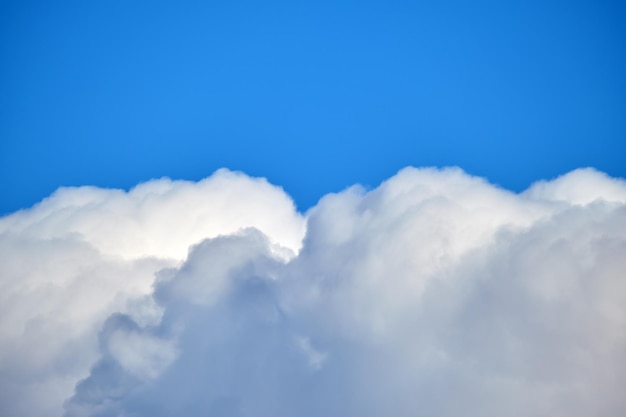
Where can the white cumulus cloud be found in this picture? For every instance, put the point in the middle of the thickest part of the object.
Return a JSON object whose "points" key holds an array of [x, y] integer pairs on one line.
{"points": [[85, 253], [435, 294]]}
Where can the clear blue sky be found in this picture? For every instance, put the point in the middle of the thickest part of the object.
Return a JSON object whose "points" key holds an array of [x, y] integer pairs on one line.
{"points": [[313, 95]]}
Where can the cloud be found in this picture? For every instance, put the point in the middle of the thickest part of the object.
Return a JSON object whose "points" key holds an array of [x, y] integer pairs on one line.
{"points": [[434, 294], [581, 186], [85, 253]]}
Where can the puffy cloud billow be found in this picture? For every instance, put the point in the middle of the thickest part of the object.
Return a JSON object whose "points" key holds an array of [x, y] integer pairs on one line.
{"points": [[435, 294]]}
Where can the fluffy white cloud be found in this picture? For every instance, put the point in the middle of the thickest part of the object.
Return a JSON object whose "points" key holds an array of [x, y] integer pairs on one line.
{"points": [[85, 253], [160, 218], [434, 294]]}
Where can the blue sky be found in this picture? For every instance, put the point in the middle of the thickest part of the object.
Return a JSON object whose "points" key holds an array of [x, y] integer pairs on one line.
{"points": [[315, 96]]}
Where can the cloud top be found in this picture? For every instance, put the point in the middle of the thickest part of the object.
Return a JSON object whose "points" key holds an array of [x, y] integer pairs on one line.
{"points": [[161, 218]]}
